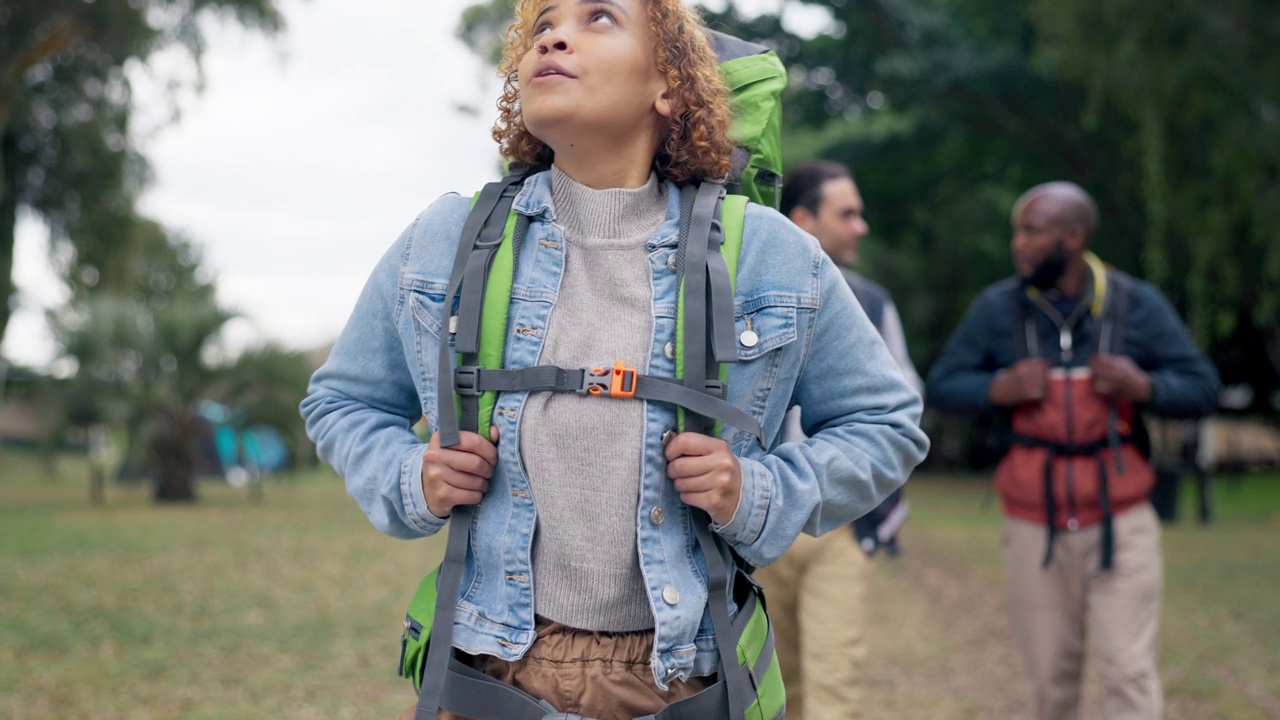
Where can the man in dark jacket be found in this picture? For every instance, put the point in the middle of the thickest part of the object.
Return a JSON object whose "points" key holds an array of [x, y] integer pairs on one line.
{"points": [[1070, 351]]}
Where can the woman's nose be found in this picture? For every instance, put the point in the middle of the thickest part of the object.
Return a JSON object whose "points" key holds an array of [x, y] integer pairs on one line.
{"points": [[554, 39]]}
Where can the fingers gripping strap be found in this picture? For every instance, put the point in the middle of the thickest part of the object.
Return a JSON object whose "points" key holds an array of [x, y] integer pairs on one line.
{"points": [[449, 581]]}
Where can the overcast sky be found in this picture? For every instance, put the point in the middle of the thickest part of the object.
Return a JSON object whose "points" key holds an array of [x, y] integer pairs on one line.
{"points": [[301, 162]]}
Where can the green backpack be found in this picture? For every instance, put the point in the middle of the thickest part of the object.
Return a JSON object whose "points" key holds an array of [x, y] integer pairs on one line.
{"points": [[756, 78], [749, 684]]}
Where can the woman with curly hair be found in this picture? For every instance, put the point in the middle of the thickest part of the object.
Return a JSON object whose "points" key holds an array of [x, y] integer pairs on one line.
{"points": [[584, 584]]}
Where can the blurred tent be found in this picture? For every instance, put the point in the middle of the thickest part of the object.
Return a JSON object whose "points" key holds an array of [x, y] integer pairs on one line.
{"points": [[236, 453]]}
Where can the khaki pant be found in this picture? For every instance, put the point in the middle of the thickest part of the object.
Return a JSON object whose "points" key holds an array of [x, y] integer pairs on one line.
{"points": [[816, 595], [597, 675], [1053, 609]]}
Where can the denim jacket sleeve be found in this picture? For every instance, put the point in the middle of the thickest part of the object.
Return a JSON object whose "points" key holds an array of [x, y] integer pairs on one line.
{"points": [[362, 403], [862, 419]]}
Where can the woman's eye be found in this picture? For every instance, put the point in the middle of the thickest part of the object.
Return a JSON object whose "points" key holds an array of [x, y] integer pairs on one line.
{"points": [[602, 15], [541, 28]]}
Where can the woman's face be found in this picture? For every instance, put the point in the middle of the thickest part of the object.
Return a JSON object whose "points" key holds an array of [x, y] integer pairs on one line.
{"points": [[591, 73]]}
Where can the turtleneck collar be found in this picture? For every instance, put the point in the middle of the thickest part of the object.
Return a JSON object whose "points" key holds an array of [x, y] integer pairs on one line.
{"points": [[615, 214]]}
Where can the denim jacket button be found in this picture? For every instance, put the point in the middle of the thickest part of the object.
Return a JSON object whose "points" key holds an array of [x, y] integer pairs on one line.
{"points": [[657, 515], [670, 595], [669, 350], [749, 338], [671, 260]]}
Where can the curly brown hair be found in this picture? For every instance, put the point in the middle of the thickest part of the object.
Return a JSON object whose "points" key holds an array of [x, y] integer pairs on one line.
{"points": [[696, 144]]}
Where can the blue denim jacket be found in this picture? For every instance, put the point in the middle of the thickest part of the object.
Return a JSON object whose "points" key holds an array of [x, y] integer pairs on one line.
{"points": [[816, 349]]}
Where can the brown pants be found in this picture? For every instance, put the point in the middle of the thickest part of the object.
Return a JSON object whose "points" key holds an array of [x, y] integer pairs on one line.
{"points": [[817, 603], [1053, 609], [594, 674]]}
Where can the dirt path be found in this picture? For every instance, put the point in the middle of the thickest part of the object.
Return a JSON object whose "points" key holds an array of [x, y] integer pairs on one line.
{"points": [[941, 642]]}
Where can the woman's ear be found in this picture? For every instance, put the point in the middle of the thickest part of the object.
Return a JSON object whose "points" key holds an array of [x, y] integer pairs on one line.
{"points": [[663, 105]]}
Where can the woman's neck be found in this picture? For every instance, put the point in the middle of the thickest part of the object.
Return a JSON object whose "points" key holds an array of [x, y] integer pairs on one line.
{"points": [[605, 165]]}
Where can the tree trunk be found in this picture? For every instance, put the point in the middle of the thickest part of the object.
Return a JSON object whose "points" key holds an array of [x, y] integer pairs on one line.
{"points": [[8, 224], [172, 458]]}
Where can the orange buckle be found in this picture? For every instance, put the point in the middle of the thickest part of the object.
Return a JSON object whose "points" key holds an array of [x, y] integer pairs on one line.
{"points": [[618, 382], [623, 383]]}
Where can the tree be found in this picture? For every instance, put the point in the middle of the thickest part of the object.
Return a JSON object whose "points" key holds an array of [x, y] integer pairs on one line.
{"points": [[1166, 112], [65, 104], [139, 348], [1200, 83]]}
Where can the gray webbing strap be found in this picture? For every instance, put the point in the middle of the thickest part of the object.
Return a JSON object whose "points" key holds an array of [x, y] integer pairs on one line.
{"points": [[477, 273], [472, 694], [723, 344], [446, 416], [474, 281], [663, 389], [539, 378], [695, 296], [736, 677], [549, 378], [448, 582]]}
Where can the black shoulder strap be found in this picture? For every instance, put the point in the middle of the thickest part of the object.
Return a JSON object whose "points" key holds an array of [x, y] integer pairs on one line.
{"points": [[1024, 327]]}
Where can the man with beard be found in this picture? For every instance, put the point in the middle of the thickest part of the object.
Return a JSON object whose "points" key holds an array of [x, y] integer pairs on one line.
{"points": [[1069, 352]]}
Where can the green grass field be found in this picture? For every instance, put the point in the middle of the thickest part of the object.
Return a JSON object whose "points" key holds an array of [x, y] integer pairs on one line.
{"points": [[291, 607]]}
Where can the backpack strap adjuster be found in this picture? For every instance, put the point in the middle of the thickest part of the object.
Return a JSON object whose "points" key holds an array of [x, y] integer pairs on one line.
{"points": [[466, 381]]}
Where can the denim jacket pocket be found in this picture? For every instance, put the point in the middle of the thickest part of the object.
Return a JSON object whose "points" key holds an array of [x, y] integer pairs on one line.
{"points": [[426, 306], [765, 331], [770, 327]]}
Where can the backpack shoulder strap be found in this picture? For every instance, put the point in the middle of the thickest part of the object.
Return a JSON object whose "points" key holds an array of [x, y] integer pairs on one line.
{"points": [[704, 313], [1115, 312], [485, 257], [1025, 343]]}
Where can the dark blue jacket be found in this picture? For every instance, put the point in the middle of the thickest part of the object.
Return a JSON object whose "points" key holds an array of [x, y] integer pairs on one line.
{"points": [[1184, 384]]}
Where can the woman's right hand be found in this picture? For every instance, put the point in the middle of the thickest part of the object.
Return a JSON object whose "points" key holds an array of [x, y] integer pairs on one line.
{"points": [[458, 475]]}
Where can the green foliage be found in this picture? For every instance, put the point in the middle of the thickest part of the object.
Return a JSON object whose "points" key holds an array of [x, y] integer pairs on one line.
{"points": [[140, 333], [65, 107], [1169, 114], [138, 339], [1201, 85], [483, 28]]}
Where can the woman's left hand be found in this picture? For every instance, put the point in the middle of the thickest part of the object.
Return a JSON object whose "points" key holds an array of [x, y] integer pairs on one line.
{"points": [[706, 473]]}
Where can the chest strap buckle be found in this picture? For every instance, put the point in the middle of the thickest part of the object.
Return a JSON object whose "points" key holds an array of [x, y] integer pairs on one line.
{"points": [[618, 382]]}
